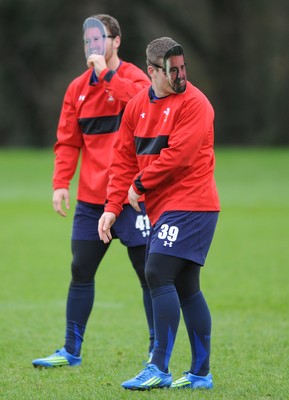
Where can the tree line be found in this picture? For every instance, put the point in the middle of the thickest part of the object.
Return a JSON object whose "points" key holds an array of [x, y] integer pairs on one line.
{"points": [[236, 53]]}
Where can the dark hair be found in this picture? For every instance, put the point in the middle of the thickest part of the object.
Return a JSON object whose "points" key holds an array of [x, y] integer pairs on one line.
{"points": [[110, 23], [157, 49]]}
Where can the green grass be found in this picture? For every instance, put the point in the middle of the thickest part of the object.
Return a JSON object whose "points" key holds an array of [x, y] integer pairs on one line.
{"points": [[245, 282]]}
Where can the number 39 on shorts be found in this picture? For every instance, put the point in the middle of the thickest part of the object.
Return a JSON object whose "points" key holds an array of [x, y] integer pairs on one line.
{"points": [[168, 232]]}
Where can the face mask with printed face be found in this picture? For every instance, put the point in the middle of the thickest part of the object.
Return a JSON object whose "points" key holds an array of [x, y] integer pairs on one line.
{"points": [[175, 69], [94, 37]]}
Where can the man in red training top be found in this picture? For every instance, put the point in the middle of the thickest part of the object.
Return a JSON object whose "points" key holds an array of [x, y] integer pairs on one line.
{"points": [[89, 122], [165, 150]]}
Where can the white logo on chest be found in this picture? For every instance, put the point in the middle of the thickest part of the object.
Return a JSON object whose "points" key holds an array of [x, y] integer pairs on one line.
{"points": [[166, 112]]}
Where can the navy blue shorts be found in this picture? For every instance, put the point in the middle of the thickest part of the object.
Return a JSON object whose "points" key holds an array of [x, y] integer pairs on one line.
{"points": [[184, 234], [132, 228]]}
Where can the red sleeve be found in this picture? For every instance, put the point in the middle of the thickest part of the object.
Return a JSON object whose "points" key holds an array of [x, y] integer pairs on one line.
{"points": [[184, 143], [126, 83], [68, 145], [124, 165]]}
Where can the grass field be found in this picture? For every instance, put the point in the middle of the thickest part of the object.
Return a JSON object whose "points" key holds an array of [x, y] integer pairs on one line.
{"points": [[245, 282]]}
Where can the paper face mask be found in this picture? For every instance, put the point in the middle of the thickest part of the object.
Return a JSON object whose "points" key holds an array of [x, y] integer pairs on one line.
{"points": [[94, 37]]}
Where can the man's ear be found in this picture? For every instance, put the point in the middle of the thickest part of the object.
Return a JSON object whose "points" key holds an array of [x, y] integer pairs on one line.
{"points": [[150, 70], [117, 41]]}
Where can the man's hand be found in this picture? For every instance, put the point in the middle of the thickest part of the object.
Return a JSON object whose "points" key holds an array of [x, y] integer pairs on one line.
{"points": [[97, 62], [104, 224], [60, 195], [133, 199]]}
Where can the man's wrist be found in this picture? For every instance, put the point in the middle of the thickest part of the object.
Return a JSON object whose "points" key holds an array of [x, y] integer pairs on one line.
{"points": [[113, 208], [106, 75]]}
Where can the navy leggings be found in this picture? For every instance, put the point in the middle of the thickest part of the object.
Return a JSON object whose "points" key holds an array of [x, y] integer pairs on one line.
{"points": [[87, 255], [162, 270]]}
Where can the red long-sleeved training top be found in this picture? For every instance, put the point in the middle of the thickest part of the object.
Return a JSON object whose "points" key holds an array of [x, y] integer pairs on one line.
{"points": [[165, 149], [89, 121]]}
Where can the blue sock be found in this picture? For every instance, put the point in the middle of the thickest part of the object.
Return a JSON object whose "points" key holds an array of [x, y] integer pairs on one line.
{"points": [[166, 309], [147, 301], [79, 305], [198, 322]]}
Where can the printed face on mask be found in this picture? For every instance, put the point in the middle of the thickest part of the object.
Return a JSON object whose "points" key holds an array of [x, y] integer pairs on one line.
{"points": [[94, 42], [176, 73], [94, 37]]}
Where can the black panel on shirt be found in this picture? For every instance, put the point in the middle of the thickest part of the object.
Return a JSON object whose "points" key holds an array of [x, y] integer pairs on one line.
{"points": [[150, 145], [108, 76], [99, 125], [139, 185]]}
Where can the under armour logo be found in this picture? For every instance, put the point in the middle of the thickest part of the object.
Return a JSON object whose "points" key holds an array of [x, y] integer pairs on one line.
{"points": [[145, 233], [170, 244], [81, 97], [143, 115]]}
